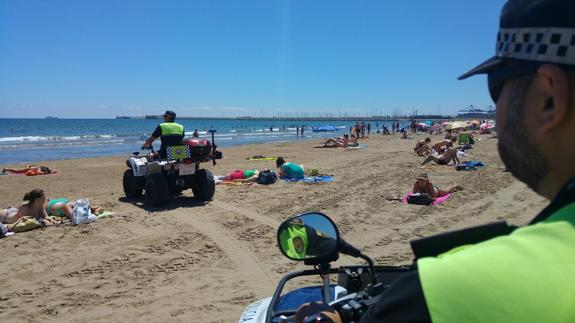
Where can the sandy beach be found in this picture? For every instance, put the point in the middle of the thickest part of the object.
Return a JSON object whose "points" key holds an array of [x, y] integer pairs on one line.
{"points": [[195, 262]]}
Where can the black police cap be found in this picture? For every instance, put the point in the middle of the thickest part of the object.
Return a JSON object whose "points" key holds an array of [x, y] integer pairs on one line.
{"points": [[170, 114], [533, 31]]}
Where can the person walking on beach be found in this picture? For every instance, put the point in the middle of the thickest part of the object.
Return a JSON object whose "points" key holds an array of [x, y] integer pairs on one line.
{"points": [[302, 126], [368, 128], [519, 274], [169, 132]]}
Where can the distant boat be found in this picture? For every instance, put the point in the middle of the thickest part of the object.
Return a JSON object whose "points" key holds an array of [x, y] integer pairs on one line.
{"points": [[50, 117], [324, 128]]}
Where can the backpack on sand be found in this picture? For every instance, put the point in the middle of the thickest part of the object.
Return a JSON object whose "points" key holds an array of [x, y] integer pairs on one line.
{"points": [[420, 199], [267, 177]]}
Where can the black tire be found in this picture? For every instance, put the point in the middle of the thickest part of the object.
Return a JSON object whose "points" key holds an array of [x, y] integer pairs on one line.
{"points": [[133, 186], [157, 190], [204, 186]]}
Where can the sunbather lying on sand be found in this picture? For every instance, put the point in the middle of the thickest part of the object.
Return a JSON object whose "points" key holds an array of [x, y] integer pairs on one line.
{"points": [[62, 207], [342, 142], [423, 185], [449, 155], [34, 208], [29, 170], [242, 176], [421, 147]]}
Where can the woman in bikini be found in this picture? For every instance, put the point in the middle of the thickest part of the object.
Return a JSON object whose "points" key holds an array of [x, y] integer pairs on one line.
{"points": [[423, 185], [34, 208], [29, 170], [62, 207]]}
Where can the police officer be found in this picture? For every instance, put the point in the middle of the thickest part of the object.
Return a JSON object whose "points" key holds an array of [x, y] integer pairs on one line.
{"points": [[170, 133], [300, 241], [527, 275]]}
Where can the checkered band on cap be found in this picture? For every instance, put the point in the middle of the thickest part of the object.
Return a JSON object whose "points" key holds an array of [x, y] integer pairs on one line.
{"points": [[554, 45]]}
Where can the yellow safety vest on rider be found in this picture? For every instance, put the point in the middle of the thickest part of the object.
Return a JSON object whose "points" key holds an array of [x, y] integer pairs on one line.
{"points": [[295, 241], [526, 276], [172, 135], [171, 128]]}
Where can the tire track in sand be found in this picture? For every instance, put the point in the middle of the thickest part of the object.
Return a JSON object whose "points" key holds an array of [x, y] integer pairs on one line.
{"points": [[249, 214], [247, 270]]}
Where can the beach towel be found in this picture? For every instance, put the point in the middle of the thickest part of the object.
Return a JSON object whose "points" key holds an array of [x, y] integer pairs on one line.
{"points": [[234, 183], [469, 165], [32, 173], [105, 214], [438, 200], [473, 163], [261, 158], [311, 179], [360, 146]]}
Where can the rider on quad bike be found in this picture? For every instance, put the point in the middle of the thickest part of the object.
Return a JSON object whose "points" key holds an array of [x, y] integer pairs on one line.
{"points": [[169, 132]]}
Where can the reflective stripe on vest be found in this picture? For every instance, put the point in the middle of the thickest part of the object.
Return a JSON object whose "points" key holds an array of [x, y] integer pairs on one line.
{"points": [[526, 276], [171, 128]]}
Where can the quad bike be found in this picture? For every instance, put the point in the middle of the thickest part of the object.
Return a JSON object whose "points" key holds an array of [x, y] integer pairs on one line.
{"points": [[159, 179], [314, 239]]}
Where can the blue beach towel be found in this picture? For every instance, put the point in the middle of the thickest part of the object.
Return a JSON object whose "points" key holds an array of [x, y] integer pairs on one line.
{"points": [[310, 179], [469, 165], [473, 163]]}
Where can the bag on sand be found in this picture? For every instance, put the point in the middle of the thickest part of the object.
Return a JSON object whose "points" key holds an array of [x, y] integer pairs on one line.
{"points": [[24, 224], [3, 230], [267, 177], [81, 213], [420, 199]]}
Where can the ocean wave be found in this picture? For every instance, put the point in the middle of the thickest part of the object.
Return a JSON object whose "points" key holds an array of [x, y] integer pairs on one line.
{"points": [[60, 144], [53, 138]]}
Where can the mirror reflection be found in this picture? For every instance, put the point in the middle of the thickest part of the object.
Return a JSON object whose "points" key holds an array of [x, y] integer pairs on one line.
{"points": [[308, 236]]}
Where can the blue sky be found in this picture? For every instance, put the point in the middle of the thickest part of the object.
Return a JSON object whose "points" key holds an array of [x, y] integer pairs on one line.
{"points": [[232, 58]]}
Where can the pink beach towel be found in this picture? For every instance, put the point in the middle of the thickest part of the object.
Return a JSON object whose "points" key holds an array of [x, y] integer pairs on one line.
{"points": [[438, 200]]}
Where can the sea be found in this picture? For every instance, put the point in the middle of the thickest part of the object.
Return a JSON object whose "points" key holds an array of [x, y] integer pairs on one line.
{"points": [[31, 140]]}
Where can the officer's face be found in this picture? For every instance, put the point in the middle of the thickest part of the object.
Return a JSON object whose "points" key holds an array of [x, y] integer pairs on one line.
{"points": [[516, 145], [298, 244]]}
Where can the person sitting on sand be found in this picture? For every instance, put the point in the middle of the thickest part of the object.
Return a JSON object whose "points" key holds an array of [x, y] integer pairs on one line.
{"points": [[422, 148], [424, 186], [29, 170], [449, 155], [242, 176], [62, 207], [441, 146], [289, 170], [34, 208]]}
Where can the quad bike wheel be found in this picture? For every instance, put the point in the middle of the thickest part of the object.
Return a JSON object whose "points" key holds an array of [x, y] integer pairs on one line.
{"points": [[157, 190], [204, 186], [133, 186]]}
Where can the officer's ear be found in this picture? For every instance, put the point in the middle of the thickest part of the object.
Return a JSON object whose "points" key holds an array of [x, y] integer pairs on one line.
{"points": [[553, 86]]}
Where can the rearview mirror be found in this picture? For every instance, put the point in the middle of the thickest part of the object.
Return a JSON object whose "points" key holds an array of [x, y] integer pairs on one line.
{"points": [[312, 237]]}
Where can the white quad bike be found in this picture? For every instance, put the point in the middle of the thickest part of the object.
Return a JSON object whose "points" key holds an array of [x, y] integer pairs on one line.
{"points": [[160, 179], [314, 239]]}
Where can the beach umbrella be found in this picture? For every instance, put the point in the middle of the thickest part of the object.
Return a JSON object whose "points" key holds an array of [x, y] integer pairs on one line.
{"points": [[423, 125], [457, 125], [487, 125], [436, 126]]}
